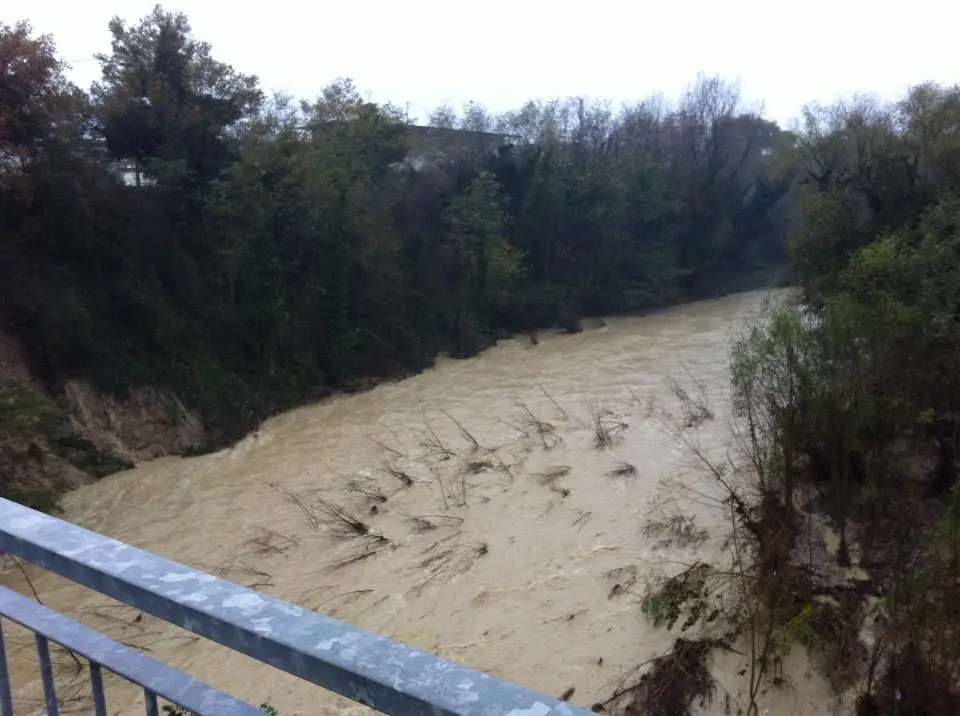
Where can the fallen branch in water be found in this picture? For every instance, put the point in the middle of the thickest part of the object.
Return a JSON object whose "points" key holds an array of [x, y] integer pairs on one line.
{"points": [[541, 427], [389, 469], [344, 525], [463, 431], [622, 469], [424, 523], [367, 488]]}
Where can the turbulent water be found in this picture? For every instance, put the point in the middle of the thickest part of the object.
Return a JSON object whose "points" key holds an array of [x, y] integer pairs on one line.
{"points": [[524, 554]]}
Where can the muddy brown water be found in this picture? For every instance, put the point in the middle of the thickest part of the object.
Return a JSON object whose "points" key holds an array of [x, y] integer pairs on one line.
{"points": [[526, 557]]}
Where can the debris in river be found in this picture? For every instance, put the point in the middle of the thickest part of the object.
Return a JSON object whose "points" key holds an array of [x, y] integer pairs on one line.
{"points": [[388, 468], [541, 428], [422, 524], [566, 617], [601, 431], [563, 413], [467, 435], [305, 507], [503, 468], [581, 519], [451, 562], [606, 427], [671, 684], [344, 525], [346, 596], [687, 591], [475, 467], [622, 469], [386, 448], [455, 491], [425, 523], [623, 579], [552, 474], [436, 450], [513, 426], [674, 529], [241, 572], [267, 541], [366, 488], [695, 410], [352, 558]]}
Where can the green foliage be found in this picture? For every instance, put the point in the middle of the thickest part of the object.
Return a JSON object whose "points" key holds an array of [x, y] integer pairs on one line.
{"points": [[25, 411], [164, 102], [482, 269], [857, 389], [802, 629], [686, 593], [41, 500], [26, 416], [268, 251]]}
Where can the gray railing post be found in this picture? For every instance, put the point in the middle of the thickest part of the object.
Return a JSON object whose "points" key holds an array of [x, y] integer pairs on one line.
{"points": [[96, 689], [6, 699], [46, 673]]}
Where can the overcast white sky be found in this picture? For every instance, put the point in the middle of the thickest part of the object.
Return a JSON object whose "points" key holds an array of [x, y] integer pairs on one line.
{"points": [[504, 52]]}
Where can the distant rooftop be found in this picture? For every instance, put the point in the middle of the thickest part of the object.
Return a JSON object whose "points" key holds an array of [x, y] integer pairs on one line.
{"points": [[439, 132]]}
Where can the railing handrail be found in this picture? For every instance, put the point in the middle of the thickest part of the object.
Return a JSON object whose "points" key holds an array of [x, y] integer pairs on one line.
{"points": [[174, 686], [386, 675]]}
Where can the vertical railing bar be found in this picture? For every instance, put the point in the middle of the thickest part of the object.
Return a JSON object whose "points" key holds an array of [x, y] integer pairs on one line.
{"points": [[6, 698], [96, 686], [46, 671], [150, 699]]}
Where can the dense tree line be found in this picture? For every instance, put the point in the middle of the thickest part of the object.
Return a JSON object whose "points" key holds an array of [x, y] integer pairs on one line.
{"points": [[856, 393], [268, 249]]}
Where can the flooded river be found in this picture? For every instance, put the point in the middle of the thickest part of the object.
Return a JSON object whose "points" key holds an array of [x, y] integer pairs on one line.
{"points": [[521, 548]]}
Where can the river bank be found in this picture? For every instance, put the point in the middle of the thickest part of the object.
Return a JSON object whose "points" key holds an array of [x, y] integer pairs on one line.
{"points": [[534, 541], [55, 437]]}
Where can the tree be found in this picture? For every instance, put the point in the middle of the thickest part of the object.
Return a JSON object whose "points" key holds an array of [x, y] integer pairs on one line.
{"points": [[282, 247], [165, 103], [480, 267], [38, 107]]}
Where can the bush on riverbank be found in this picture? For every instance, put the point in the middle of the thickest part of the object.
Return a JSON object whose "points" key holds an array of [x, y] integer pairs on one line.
{"points": [[855, 397], [26, 418], [847, 416]]}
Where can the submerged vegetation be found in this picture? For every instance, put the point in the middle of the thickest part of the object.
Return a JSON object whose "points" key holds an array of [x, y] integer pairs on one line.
{"points": [[667, 685]]}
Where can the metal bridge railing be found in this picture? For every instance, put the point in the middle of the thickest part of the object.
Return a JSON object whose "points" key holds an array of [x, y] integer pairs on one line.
{"points": [[156, 678], [375, 671]]}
